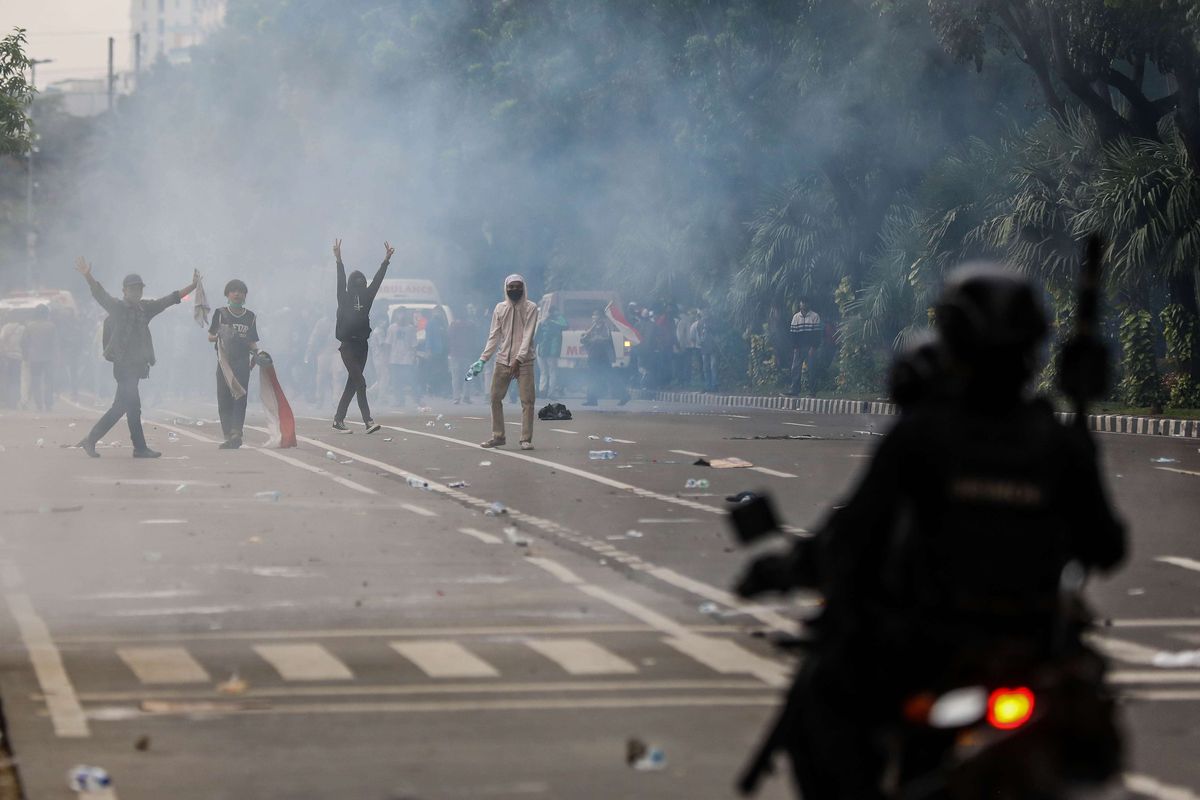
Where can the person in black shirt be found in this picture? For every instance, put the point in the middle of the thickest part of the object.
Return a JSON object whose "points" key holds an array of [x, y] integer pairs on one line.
{"points": [[127, 344], [234, 330], [353, 329]]}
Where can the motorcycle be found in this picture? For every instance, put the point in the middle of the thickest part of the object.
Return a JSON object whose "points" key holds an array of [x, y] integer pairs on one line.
{"points": [[999, 720]]}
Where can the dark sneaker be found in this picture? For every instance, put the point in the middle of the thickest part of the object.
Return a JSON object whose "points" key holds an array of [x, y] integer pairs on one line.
{"points": [[146, 452], [340, 426], [88, 447], [493, 443], [373, 426], [526, 445], [227, 445]]}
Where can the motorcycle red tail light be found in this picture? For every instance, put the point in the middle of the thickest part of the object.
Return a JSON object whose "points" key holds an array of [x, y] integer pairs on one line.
{"points": [[1008, 709]]}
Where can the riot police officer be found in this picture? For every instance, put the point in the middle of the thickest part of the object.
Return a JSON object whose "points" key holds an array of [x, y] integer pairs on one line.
{"points": [[956, 536]]}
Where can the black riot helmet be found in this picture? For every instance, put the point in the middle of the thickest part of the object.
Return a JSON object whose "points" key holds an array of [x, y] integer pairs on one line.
{"points": [[918, 373], [992, 322]]}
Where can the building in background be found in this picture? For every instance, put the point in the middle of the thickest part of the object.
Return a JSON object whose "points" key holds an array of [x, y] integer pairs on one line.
{"points": [[168, 29]]}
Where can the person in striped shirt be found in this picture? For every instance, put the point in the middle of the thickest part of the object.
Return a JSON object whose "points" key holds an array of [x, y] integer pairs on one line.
{"points": [[806, 337]]}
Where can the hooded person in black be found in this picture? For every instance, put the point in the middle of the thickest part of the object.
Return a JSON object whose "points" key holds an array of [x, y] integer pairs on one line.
{"points": [[353, 328]]}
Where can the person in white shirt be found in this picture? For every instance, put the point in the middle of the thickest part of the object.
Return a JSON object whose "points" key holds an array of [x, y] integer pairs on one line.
{"points": [[805, 331]]}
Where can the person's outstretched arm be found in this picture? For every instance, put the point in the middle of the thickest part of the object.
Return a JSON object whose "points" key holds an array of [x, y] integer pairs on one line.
{"points": [[155, 307], [377, 281], [341, 271], [106, 300]]}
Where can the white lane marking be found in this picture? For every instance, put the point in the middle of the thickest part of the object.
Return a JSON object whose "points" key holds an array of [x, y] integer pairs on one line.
{"points": [[491, 687], [156, 665], [771, 618], [468, 706], [1166, 695], [304, 662], [1155, 676], [699, 647], [510, 422], [163, 521], [477, 419], [801, 424], [728, 657], [445, 659], [1180, 471], [623, 441], [148, 481], [687, 453], [1179, 561], [734, 416], [66, 715], [672, 521], [1121, 650], [1146, 785], [486, 538], [775, 472], [1163, 622], [424, 512], [860, 455], [582, 657], [557, 570], [564, 430]]}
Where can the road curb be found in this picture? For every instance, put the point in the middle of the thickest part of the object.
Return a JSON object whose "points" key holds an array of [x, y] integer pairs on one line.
{"points": [[1106, 423]]}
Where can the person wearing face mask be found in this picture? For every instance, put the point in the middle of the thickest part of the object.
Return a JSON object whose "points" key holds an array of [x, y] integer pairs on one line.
{"points": [[510, 340], [353, 328], [234, 332]]}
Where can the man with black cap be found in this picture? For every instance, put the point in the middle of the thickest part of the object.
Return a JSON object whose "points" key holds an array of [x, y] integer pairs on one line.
{"points": [[127, 344]]}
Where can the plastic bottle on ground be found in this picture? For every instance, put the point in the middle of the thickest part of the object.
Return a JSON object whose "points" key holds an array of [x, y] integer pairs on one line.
{"points": [[602, 455], [85, 779], [417, 483]]}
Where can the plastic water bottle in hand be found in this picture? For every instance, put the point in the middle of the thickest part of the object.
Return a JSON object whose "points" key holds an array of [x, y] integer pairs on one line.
{"points": [[475, 369]]}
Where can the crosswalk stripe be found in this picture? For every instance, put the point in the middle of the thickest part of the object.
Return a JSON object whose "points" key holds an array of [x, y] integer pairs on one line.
{"points": [[582, 657], [424, 512], [1121, 650], [163, 665], [1179, 561], [728, 657], [445, 659], [304, 662], [687, 453]]}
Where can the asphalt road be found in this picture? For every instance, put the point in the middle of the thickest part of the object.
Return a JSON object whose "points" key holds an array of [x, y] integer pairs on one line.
{"points": [[305, 624]]}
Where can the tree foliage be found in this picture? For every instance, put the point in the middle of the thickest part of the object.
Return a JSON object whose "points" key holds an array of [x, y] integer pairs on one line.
{"points": [[16, 95]]}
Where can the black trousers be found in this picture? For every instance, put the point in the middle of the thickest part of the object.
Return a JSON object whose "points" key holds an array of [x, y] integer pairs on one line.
{"points": [[127, 403], [41, 384], [232, 412], [354, 356]]}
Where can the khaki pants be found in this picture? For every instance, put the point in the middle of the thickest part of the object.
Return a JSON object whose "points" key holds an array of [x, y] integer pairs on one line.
{"points": [[501, 378]]}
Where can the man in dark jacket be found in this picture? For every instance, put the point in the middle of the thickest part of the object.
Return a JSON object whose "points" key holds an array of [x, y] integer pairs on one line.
{"points": [[354, 299], [127, 344]]}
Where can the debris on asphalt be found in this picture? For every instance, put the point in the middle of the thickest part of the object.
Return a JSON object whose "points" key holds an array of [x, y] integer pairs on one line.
{"points": [[634, 534], [485, 463], [741, 497], [593, 437], [729, 463], [701, 462], [72, 425], [329, 454], [644, 758], [254, 540], [430, 424], [439, 417], [273, 495], [387, 438], [348, 461], [142, 744], [1164, 460], [602, 455], [514, 537], [448, 426], [85, 780], [423, 409], [773, 436], [1136, 592], [417, 483], [172, 436], [1179, 658], [40, 442], [181, 488], [625, 466], [199, 423], [710, 609], [495, 509], [235, 685], [458, 485], [696, 483]]}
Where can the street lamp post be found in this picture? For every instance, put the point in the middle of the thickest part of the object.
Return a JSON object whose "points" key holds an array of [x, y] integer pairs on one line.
{"points": [[30, 230]]}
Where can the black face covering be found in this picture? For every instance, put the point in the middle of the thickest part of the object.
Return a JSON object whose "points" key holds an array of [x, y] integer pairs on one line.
{"points": [[515, 294]]}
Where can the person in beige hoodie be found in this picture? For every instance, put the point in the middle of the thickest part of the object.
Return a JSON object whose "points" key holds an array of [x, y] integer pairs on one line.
{"points": [[510, 340]]}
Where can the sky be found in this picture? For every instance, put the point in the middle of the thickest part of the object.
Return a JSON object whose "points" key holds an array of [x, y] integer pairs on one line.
{"points": [[72, 32]]}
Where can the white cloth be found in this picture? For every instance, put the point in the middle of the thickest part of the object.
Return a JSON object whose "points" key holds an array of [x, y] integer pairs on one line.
{"points": [[200, 307]]}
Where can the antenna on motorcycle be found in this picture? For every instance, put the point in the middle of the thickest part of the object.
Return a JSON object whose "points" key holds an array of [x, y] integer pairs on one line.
{"points": [[1083, 362], [754, 519]]}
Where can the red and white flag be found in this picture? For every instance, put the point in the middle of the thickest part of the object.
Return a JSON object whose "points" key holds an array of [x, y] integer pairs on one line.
{"points": [[617, 318], [281, 423]]}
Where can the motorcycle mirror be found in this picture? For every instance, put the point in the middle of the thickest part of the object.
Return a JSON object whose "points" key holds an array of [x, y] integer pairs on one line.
{"points": [[754, 519]]}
